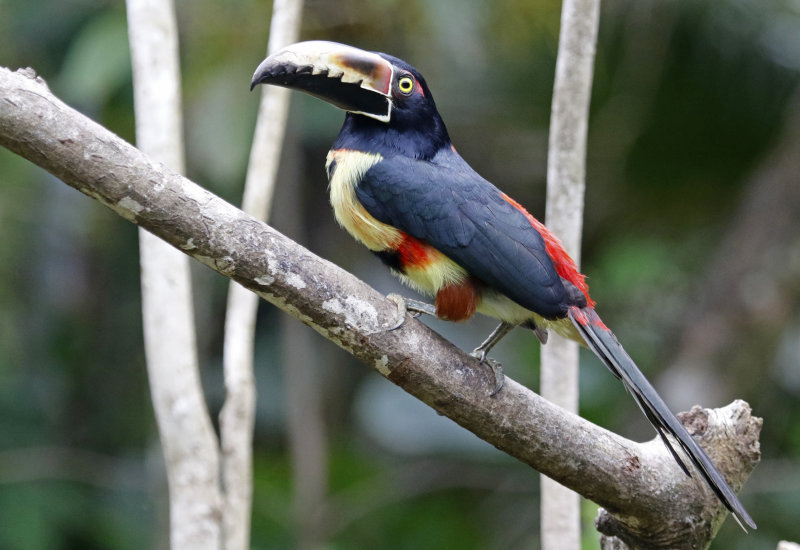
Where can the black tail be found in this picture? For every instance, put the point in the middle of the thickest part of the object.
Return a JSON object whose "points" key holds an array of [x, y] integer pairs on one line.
{"points": [[605, 345]]}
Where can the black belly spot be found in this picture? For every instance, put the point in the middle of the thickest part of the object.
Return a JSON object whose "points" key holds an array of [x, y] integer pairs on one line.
{"points": [[391, 259]]}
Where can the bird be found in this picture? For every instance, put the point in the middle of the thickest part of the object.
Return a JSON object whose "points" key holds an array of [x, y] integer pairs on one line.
{"points": [[398, 186]]}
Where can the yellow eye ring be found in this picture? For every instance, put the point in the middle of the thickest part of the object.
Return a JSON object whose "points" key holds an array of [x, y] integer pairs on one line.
{"points": [[405, 85]]}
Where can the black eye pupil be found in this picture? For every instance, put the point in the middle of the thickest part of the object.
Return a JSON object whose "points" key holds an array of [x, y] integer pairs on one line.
{"points": [[406, 85]]}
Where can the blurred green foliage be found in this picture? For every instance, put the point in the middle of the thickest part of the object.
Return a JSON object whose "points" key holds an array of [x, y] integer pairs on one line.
{"points": [[689, 98]]}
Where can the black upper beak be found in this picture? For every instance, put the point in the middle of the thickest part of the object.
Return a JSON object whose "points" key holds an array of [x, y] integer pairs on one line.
{"points": [[352, 79]]}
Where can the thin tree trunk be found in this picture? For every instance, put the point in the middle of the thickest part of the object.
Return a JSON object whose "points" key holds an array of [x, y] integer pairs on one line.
{"points": [[566, 169], [237, 416], [187, 436]]}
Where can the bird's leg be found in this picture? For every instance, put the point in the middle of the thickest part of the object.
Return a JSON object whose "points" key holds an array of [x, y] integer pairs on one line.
{"points": [[496, 335], [417, 308], [408, 305], [481, 351]]}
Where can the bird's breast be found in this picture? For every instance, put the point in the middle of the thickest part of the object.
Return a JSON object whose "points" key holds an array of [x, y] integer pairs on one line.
{"points": [[345, 169], [418, 263]]}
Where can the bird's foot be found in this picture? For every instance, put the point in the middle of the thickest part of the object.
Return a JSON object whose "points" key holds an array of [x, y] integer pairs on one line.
{"points": [[415, 308], [496, 366], [408, 306]]}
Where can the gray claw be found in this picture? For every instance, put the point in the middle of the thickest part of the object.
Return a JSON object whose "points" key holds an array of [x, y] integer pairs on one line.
{"points": [[415, 308], [496, 366], [402, 310]]}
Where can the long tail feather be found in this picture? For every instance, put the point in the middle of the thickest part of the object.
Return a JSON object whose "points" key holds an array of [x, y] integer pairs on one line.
{"points": [[605, 345]]}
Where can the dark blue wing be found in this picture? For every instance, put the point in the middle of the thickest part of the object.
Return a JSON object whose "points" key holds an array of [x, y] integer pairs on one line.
{"points": [[448, 205]]}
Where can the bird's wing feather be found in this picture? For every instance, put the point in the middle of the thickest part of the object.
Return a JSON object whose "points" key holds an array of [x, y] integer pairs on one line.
{"points": [[449, 206]]}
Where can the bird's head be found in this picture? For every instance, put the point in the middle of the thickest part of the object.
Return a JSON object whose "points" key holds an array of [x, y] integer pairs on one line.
{"points": [[390, 108]]}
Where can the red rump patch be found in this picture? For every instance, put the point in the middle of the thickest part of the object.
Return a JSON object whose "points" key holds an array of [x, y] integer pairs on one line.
{"points": [[565, 266], [579, 316], [586, 316]]}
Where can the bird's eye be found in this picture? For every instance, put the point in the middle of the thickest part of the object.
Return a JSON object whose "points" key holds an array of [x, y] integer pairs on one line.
{"points": [[405, 85]]}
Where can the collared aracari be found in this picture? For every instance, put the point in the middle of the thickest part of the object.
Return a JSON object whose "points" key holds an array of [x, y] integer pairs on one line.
{"points": [[398, 186]]}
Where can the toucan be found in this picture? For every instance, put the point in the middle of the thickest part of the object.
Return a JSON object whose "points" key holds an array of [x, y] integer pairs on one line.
{"points": [[398, 186]]}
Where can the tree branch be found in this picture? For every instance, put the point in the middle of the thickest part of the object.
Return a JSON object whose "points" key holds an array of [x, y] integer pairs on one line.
{"points": [[639, 483]]}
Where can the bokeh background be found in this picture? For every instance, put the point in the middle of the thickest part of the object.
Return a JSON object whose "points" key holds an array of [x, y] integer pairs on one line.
{"points": [[692, 246]]}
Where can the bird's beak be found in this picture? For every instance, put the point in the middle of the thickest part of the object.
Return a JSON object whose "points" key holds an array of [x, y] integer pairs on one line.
{"points": [[352, 79]]}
